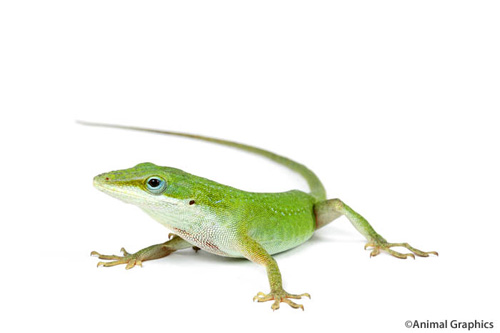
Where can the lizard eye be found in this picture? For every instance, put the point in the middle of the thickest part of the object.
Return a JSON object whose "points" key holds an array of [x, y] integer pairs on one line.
{"points": [[156, 185]]}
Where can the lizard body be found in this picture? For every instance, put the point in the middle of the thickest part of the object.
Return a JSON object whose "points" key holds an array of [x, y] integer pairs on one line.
{"points": [[230, 222]]}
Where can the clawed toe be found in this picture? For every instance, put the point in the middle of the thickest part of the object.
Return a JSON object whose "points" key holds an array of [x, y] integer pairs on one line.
{"points": [[124, 252], [382, 245], [280, 296], [127, 259], [105, 257], [292, 304]]}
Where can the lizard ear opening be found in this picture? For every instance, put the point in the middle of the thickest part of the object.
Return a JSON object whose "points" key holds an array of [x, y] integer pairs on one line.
{"points": [[156, 185]]}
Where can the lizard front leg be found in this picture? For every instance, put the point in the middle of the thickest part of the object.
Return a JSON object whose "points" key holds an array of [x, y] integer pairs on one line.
{"points": [[327, 211], [253, 251], [149, 253]]}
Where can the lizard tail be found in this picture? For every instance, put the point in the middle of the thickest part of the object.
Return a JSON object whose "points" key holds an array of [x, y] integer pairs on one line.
{"points": [[316, 187]]}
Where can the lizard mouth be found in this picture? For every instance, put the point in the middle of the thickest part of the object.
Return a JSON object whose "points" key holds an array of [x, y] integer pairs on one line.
{"points": [[103, 183], [125, 193], [129, 193]]}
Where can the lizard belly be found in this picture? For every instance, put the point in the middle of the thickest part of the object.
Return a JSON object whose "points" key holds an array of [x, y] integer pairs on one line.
{"points": [[201, 228], [206, 243]]}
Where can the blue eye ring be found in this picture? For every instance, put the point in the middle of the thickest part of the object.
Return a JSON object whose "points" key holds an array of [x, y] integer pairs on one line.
{"points": [[156, 185]]}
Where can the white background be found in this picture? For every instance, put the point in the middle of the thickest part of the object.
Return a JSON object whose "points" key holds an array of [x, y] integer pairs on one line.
{"points": [[394, 104]]}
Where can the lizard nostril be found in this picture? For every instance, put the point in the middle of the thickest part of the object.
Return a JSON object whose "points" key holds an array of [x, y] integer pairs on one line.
{"points": [[191, 202], [107, 178]]}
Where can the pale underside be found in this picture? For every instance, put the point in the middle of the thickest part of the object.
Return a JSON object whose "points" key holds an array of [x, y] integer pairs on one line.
{"points": [[220, 235]]}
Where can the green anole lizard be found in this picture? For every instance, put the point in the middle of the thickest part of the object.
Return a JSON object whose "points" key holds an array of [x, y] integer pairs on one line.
{"points": [[223, 220]]}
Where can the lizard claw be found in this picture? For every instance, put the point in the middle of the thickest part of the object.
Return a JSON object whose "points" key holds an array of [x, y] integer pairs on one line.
{"points": [[382, 245], [280, 296], [124, 252], [130, 260]]}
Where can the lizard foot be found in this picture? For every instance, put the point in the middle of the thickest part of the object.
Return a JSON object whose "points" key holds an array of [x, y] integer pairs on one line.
{"points": [[280, 296], [131, 260], [382, 245]]}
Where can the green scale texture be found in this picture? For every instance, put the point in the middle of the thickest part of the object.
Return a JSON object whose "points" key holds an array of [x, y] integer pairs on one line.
{"points": [[212, 216]]}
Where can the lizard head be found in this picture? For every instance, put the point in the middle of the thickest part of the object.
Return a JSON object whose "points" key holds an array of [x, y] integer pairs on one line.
{"points": [[147, 185], [171, 196]]}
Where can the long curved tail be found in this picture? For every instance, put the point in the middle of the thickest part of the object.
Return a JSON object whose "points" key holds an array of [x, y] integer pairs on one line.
{"points": [[316, 187]]}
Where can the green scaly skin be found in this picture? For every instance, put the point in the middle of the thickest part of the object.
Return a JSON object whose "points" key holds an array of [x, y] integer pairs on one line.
{"points": [[223, 220]]}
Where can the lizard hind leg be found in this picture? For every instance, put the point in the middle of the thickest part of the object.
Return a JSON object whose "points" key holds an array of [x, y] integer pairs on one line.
{"points": [[152, 252], [327, 211]]}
